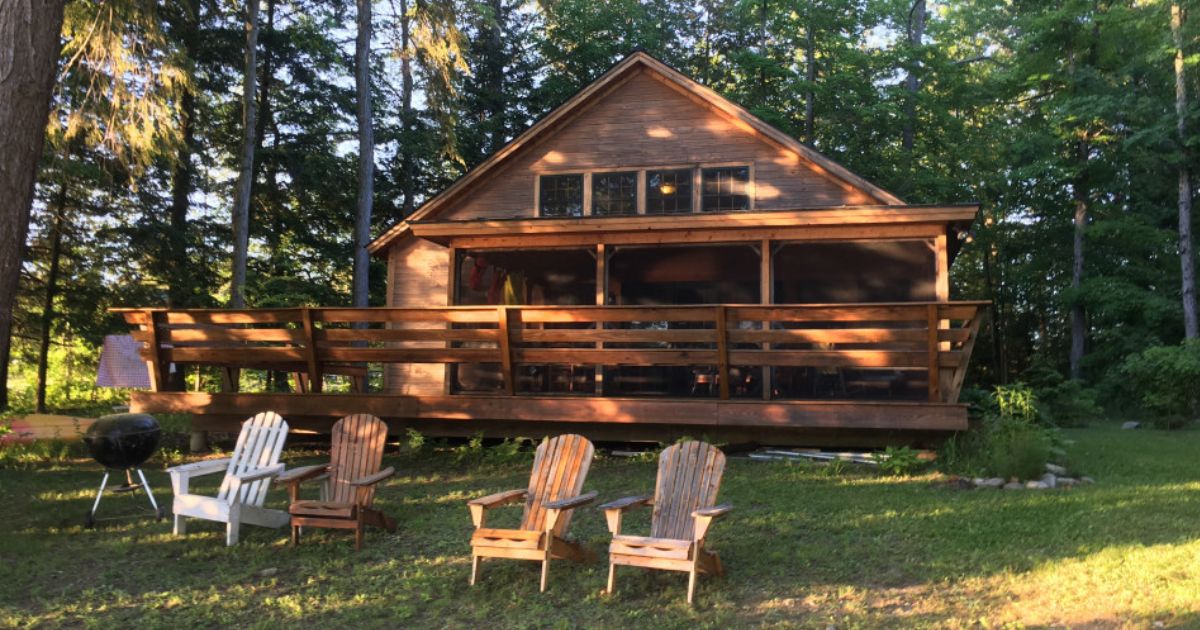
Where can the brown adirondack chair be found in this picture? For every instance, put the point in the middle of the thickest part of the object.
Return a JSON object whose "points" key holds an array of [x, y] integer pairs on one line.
{"points": [[350, 478], [689, 475], [559, 469]]}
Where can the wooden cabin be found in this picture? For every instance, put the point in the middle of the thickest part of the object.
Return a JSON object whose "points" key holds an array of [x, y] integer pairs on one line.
{"points": [[646, 261]]}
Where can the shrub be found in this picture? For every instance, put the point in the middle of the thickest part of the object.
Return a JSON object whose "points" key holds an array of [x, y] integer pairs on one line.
{"points": [[898, 462], [1011, 441], [1167, 382], [1069, 404]]}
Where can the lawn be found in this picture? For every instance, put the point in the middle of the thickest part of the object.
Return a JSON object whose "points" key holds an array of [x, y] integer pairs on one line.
{"points": [[807, 546]]}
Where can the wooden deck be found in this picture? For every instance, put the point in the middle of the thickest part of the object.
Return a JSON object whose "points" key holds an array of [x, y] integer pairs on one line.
{"points": [[779, 422], [927, 344]]}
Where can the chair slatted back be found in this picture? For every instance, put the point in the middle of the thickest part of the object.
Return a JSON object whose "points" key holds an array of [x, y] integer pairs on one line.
{"points": [[689, 475], [559, 469], [258, 446], [357, 451]]}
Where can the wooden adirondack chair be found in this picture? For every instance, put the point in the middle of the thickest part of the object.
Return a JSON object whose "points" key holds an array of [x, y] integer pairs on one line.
{"points": [[559, 469], [248, 474], [350, 478], [689, 475]]}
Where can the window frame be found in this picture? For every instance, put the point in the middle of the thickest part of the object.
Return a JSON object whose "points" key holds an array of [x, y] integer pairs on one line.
{"points": [[749, 190], [697, 203], [584, 200]]}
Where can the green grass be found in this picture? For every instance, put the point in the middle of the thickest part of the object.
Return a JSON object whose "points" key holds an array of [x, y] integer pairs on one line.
{"points": [[804, 548]]}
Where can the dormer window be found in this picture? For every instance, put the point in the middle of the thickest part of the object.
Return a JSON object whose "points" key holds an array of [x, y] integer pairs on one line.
{"points": [[561, 195]]}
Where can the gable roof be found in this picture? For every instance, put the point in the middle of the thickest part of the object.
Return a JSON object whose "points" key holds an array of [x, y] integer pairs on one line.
{"points": [[636, 61]]}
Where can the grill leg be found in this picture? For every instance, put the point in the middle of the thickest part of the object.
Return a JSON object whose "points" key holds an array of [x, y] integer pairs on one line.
{"points": [[99, 493], [149, 492]]}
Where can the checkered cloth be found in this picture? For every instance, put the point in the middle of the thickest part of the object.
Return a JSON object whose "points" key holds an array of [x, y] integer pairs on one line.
{"points": [[121, 364]]}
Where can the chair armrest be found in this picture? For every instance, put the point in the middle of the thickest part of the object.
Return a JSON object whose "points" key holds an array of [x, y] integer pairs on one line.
{"points": [[500, 498], [704, 518], [370, 480], [481, 505], [715, 511], [572, 502], [257, 474], [205, 467], [303, 473], [628, 503]]}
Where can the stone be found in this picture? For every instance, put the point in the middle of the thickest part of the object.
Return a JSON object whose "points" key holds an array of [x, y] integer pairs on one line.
{"points": [[1056, 469], [1014, 485], [993, 482], [1037, 485], [1131, 425], [1067, 482], [268, 572], [1086, 480], [1050, 480]]}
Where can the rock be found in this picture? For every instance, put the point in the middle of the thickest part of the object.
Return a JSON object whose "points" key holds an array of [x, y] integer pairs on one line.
{"points": [[268, 572], [1050, 480], [994, 482], [1131, 425], [1067, 482], [1056, 469], [1014, 485], [1086, 480], [1037, 485]]}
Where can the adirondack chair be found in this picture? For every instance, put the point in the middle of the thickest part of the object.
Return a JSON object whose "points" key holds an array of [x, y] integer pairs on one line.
{"points": [[689, 475], [248, 474], [349, 481], [559, 469]]}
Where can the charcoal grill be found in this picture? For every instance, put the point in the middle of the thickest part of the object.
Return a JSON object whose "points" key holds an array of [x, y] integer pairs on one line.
{"points": [[123, 442]]}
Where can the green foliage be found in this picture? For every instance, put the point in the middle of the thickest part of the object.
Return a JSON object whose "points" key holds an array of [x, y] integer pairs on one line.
{"points": [[414, 440], [1166, 380], [899, 461], [1009, 442]]}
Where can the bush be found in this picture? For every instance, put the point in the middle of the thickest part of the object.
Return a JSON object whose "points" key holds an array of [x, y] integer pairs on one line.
{"points": [[1011, 441], [898, 462], [1166, 380]]}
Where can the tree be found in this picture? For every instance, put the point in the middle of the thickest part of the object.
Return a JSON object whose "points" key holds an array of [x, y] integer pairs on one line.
{"points": [[29, 46], [366, 154], [245, 182], [1187, 261]]}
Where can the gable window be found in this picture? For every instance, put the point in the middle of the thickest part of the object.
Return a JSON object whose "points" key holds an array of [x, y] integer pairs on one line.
{"points": [[669, 192], [614, 193], [725, 189], [560, 196]]}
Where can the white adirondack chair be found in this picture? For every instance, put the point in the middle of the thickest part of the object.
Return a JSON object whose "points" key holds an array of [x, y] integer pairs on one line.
{"points": [[248, 474]]}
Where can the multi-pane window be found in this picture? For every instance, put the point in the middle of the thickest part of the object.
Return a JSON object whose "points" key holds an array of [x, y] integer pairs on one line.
{"points": [[669, 192], [614, 193], [561, 196], [725, 189]]}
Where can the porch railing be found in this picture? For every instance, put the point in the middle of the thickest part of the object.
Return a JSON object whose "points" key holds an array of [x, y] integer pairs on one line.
{"points": [[931, 337]]}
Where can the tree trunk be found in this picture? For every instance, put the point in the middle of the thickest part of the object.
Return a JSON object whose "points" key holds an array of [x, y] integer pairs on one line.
{"points": [[407, 163], [241, 204], [1191, 328], [29, 50], [810, 76], [180, 289], [496, 100], [916, 32], [366, 154], [56, 236], [1078, 315]]}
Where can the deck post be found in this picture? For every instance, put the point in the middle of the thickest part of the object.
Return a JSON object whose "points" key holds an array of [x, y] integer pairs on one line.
{"points": [[601, 299], [722, 352], [766, 297], [310, 351], [506, 355], [158, 367], [934, 378]]}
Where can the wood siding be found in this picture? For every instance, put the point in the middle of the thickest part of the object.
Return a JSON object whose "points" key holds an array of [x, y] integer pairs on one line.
{"points": [[642, 122], [418, 275]]}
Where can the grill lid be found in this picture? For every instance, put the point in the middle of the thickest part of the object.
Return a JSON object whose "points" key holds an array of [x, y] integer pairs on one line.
{"points": [[123, 440]]}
